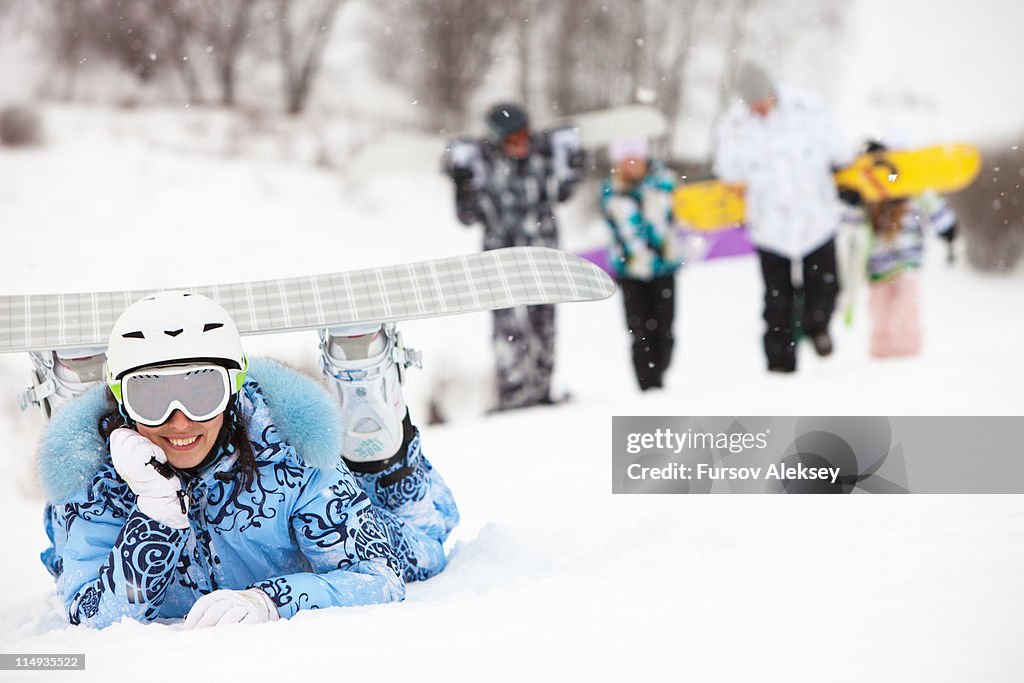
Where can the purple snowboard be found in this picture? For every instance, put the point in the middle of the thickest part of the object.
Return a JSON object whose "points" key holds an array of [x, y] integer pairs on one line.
{"points": [[723, 243], [720, 244]]}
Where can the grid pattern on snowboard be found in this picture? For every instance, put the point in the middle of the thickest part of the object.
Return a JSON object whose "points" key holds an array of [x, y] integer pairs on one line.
{"points": [[478, 282]]}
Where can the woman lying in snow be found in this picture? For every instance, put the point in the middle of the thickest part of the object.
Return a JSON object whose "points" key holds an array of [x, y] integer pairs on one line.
{"points": [[197, 485]]}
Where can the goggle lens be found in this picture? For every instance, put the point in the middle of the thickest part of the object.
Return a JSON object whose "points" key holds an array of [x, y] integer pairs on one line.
{"points": [[201, 392]]}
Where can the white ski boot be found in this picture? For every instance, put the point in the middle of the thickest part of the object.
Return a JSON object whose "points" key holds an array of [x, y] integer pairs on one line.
{"points": [[61, 376], [365, 364]]}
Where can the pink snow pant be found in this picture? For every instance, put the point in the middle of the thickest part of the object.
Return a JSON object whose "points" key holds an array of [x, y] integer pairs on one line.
{"points": [[895, 316]]}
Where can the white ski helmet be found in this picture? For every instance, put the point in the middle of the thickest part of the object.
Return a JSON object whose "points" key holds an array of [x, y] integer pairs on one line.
{"points": [[172, 327]]}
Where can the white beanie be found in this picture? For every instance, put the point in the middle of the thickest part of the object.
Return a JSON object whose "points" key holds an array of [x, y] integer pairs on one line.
{"points": [[629, 148]]}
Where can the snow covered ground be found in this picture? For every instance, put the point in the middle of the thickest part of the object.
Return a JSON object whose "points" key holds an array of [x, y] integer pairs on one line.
{"points": [[550, 574]]}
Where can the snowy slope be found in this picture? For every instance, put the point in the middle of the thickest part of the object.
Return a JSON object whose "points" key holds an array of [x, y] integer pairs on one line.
{"points": [[550, 574]]}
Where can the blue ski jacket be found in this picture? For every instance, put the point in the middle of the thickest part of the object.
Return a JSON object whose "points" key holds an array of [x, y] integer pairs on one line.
{"points": [[640, 219], [304, 531]]}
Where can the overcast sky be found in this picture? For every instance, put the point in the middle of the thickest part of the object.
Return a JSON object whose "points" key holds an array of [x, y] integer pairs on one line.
{"points": [[960, 61]]}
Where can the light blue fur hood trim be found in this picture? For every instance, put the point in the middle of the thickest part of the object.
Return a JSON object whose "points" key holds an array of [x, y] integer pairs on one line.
{"points": [[305, 414]]}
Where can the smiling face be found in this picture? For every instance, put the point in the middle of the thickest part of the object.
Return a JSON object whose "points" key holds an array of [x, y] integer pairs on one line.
{"points": [[184, 442]]}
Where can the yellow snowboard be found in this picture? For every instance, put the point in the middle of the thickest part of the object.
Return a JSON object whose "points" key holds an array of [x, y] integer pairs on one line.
{"points": [[897, 174], [714, 205], [709, 205]]}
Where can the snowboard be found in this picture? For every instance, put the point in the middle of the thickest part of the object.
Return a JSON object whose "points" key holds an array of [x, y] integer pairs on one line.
{"points": [[708, 205], [502, 278], [417, 153], [603, 127], [898, 174], [713, 205], [692, 245]]}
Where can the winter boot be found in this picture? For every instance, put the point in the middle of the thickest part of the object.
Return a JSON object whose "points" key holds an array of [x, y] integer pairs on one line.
{"points": [[822, 344], [363, 364], [61, 376]]}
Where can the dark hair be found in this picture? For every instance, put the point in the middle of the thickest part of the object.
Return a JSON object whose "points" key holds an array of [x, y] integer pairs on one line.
{"points": [[233, 432]]}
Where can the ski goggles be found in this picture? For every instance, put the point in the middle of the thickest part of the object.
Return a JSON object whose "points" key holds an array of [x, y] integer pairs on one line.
{"points": [[200, 391]]}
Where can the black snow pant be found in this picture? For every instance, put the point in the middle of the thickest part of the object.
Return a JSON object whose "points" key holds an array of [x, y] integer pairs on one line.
{"points": [[820, 288], [650, 310], [524, 352]]}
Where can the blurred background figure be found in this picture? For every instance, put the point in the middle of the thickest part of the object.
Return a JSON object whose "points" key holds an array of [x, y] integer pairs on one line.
{"points": [[896, 238], [636, 200], [780, 143], [510, 184]]}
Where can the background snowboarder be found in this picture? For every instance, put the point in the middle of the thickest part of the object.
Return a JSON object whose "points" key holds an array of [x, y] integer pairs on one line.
{"points": [[781, 144], [896, 238], [636, 200], [510, 185]]}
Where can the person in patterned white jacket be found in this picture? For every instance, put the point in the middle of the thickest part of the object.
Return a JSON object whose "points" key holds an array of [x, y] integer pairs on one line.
{"points": [[195, 484], [781, 144]]}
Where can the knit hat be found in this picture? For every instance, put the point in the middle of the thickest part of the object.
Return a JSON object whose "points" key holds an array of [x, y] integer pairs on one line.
{"points": [[505, 119], [629, 148], [753, 84]]}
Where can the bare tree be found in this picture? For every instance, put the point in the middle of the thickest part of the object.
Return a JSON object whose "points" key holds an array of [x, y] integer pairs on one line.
{"points": [[762, 30], [179, 23], [226, 27], [595, 54], [458, 41], [734, 50], [303, 30], [635, 62], [67, 40], [220, 28], [524, 10], [441, 51], [134, 35], [563, 59], [667, 38], [591, 47], [991, 210]]}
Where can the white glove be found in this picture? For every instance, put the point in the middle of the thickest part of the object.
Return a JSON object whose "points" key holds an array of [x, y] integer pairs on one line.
{"points": [[251, 606], [159, 498]]}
